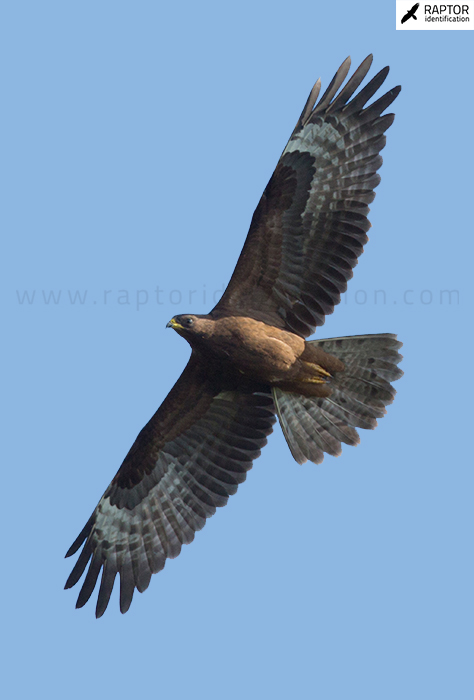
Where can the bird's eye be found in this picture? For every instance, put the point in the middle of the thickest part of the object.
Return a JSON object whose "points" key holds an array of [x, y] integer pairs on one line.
{"points": [[189, 322]]}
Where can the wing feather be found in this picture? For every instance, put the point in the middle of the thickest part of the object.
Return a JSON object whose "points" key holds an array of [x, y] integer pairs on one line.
{"points": [[185, 463], [311, 223]]}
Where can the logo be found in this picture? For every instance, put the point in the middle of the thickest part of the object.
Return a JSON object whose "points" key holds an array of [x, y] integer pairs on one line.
{"points": [[411, 13], [434, 16]]}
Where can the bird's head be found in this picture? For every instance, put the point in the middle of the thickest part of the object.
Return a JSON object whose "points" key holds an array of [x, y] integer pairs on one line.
{"points": [[190, 326]]}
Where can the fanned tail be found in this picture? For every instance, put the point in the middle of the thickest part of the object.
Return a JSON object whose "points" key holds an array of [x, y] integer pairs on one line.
{"points": [[315, 425]]}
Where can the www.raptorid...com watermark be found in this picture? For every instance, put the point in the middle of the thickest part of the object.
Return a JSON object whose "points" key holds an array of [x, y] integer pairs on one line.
{"points": [[203, 298]]}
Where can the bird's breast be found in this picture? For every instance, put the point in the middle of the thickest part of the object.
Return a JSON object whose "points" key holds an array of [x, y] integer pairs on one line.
{"points": [[264, 352]]}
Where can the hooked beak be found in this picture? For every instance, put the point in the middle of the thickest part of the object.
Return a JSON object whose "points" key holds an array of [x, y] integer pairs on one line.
{"points": [[173, 324]]}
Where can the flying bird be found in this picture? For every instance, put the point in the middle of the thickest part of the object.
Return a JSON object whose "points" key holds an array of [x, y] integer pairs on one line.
{"points": [[250, 361], [411, 13]]}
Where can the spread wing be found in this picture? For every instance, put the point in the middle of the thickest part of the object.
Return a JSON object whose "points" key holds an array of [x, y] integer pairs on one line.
{"points": [[310, 225], [186, 461]]}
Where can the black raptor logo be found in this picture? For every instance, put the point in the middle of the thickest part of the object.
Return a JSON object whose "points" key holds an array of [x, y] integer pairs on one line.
{"points": [[411, 13]]}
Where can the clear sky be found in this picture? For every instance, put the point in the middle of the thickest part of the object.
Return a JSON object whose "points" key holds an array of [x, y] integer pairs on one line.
{"points": [[137, 140]]}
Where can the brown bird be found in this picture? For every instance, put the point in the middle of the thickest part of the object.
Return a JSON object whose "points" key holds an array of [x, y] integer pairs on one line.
{"points": [[250, 359]]}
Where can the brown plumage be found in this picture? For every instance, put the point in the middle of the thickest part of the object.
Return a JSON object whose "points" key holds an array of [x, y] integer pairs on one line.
{"points": [[250, 360]]}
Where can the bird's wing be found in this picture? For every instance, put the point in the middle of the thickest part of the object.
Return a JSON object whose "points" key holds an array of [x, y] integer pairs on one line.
{"points": [[186, 461], [310, 225]]}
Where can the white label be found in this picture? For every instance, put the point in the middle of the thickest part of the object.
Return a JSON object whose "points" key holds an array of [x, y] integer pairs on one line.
{"points": [[431, 15]]}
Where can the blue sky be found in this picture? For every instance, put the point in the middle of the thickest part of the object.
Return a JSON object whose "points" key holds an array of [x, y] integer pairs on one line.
{"points": [[138, 139]]}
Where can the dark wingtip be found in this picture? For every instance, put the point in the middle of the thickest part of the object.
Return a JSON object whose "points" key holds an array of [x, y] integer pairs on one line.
{"points": [[79, 568], [125, 603], [83, 535], [89, 582], [72, 550], [366, 64]]}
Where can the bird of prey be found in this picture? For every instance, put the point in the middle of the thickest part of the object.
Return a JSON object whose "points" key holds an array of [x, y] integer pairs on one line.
{"points": [[250, 360], [410, 13]]}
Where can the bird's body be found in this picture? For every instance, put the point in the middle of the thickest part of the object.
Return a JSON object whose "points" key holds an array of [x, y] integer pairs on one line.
{"points": [[260, 352], [251, 362]]}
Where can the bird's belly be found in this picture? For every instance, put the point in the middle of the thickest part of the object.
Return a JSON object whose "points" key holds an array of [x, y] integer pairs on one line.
{"points": [[263, 364], [267, 361], [260, 351]]}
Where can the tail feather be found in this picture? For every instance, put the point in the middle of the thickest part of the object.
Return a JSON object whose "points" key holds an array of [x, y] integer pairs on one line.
{"points": [[314, 425]]}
